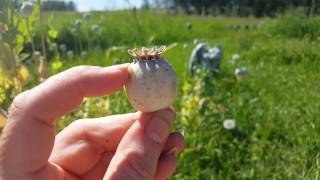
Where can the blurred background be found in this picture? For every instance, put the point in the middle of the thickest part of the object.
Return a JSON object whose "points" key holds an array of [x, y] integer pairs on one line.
{"points": [[248, 70]]}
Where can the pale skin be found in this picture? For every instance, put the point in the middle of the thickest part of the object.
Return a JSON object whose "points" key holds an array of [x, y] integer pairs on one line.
{"points": [[129, 146]]}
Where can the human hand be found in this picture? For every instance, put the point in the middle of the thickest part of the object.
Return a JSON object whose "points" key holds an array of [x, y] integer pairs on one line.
{"points": [[130, 146]]}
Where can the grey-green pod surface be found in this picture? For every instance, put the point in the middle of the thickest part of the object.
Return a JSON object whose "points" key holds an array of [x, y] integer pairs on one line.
{"points": [[152, 85]]}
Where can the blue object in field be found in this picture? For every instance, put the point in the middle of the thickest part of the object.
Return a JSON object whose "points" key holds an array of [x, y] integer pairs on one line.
{"points": [[208, 57]]}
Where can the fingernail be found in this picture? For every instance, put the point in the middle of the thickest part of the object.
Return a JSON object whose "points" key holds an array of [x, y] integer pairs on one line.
{"points": [[171, 109], [157, 129], [172, 152]]}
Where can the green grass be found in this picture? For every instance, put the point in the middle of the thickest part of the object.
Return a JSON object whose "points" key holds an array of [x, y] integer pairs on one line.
{"points": [[277, 106]]}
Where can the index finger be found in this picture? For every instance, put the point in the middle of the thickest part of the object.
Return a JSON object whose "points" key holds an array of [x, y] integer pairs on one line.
{"points": [[28, 137], [62, 93]]}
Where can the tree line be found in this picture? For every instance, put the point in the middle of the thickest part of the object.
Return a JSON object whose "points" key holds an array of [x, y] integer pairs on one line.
{"points": [[58, 6], [258, 8]]}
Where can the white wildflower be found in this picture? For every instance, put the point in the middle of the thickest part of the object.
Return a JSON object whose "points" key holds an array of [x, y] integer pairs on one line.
{"points": [[84, 53], [185, 45], [78, 23], [63, 47], [73, 31], [70, 54], [95, 28], [235, 57], [240, 72], [196, 41], [37, 54], [53, 46], [229, 124]]}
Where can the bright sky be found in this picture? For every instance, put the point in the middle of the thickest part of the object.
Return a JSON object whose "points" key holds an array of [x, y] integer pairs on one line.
{"points": [[87, 5]]}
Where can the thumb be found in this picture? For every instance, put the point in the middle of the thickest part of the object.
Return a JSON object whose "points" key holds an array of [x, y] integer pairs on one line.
{"points": [[139, 150]]}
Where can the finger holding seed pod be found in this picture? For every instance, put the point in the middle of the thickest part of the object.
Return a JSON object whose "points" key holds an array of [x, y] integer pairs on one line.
{"points": [[153, 83]]}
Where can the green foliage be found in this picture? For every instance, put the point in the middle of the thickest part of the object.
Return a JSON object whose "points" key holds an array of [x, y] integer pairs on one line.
{"points": [[53, 34], [297, 27], [15, 30], [8, 36]]}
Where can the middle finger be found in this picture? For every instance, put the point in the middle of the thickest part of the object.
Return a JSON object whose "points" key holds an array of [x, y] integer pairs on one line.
{"points": [[80, 146]]}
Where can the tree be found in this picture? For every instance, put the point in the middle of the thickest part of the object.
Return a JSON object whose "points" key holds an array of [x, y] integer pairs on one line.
{"points": [[146, 4]]}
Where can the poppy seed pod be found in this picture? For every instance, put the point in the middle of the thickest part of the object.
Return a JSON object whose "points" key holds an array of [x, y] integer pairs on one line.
{"points": [[78, 23], [87, 16], [153, 83], [70, 54], [95, 28], [26, 9], [63, 47]]}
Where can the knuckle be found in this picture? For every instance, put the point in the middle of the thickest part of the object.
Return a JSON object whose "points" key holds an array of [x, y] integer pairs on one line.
{"points": [[18, 102], [137, 167], [81, 129], [167, 116], [78, 124]]}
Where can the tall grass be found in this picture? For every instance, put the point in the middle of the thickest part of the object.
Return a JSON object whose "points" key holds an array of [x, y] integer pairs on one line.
{"points": [[297, 27]]}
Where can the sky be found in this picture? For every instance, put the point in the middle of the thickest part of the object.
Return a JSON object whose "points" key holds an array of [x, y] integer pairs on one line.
{"points": [[87, 5]]}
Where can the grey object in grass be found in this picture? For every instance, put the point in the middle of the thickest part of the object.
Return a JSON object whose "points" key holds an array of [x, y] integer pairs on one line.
{"points": [[209, 58], [26, 9]]}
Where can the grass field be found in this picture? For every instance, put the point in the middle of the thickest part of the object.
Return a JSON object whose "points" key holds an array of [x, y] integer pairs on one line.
{"points": [[276, 106]]}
